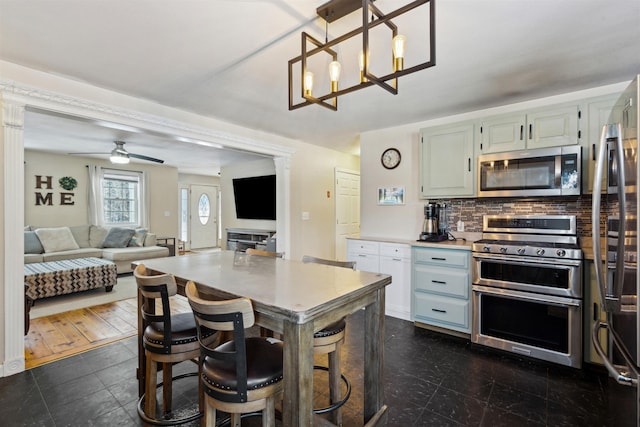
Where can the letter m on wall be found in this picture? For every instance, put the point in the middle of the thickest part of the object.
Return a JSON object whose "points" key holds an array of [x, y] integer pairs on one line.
{"points": [[44, 199]]}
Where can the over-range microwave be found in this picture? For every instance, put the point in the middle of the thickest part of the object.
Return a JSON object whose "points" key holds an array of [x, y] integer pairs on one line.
{"points": [[552, 171]]}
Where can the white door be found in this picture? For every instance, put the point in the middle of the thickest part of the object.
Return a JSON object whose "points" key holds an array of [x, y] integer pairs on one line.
{"points": [[347, 191], [203, 216]]}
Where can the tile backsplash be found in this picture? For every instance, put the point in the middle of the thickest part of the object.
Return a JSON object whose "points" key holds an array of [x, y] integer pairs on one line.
{"points": [[471, 211]]}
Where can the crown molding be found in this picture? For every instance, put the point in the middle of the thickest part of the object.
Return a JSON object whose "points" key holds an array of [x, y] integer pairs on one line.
{"points": [[40, 99]]}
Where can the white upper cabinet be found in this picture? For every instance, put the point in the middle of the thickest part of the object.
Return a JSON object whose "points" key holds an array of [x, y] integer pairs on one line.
{"points": [[547, 127], [503, 133], [447, 163]]}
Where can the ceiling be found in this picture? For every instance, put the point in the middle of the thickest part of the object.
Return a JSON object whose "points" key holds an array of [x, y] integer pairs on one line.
{"points": [[228, 59]]}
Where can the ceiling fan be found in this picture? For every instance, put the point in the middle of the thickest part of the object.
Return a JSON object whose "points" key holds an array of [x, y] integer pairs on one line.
{"points": [[120, 155]]}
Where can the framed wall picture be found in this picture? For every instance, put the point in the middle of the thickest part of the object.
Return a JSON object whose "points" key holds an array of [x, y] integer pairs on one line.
{"points": [[391, 196]]}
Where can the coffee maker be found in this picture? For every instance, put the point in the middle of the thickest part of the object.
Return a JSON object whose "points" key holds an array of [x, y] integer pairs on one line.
{"points": [[433, 230]]}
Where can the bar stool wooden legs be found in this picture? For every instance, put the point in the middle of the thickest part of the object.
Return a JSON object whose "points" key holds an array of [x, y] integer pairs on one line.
{"points": [[167, 339], [329, 341]]}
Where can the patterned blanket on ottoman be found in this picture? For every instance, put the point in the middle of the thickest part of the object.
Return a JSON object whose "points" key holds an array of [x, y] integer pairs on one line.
{"points": [[48, 279]]}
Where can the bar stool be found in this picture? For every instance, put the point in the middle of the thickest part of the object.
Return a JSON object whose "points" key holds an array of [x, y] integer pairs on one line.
{"points": [[167, 339], [329, 341], [243, 375]]}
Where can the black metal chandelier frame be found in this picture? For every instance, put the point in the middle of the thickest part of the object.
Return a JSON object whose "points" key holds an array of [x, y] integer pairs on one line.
{"points": [[336, 9]]}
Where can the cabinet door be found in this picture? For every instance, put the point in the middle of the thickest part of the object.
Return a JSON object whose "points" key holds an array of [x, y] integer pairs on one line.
{"points": [[503, 133], [552, 127], [365, 254], [398, 293], [446, 161], [599, 113]]}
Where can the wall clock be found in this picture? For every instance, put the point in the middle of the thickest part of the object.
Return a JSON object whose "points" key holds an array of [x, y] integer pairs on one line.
{"points": [[390, 158]]}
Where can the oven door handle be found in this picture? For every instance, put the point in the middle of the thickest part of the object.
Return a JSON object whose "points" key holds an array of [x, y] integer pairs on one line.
{"points": [[529, 296], [520, 261]]}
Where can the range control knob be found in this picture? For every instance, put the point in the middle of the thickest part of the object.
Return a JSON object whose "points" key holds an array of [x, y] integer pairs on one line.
{"points": [[487, 248], [503, 250], [540, 252], [561, 252], [521, 251]]}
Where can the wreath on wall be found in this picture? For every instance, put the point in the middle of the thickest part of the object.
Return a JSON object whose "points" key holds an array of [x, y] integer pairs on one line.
{"points": [[68, 183]]}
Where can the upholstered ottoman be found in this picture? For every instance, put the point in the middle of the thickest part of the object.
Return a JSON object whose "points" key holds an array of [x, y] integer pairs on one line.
{"points": [[48, 279]]}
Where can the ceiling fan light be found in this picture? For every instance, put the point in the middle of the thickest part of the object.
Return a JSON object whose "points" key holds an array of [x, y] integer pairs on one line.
{"points": [[118, 157]]}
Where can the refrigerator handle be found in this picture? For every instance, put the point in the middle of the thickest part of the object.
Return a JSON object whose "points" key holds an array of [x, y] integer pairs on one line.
{"points": [[616, 292], [595, 218], [623, 378]]}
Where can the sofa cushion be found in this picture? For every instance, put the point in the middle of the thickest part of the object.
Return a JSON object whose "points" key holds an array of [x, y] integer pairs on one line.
{"points": [[81, 235], [97, 235], [31, 258], [150, 239], [32, 244], [138, 237], [134, 254], [56, 239], [118, 237], [73, 254]]}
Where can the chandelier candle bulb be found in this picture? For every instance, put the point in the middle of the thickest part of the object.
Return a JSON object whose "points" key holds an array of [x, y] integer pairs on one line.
{"points": [[308, 83], [361, 64], [399, 46], [334, 74]]}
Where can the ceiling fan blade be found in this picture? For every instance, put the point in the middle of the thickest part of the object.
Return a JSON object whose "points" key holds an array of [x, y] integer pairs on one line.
{"points": [[142, 157], [94, 152]]}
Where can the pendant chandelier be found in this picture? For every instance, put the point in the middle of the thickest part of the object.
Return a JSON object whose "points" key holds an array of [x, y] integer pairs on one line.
{"points": [[372, 17]]}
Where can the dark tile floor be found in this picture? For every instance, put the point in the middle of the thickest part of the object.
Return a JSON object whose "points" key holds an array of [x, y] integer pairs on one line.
{"points": [[430, 380]]}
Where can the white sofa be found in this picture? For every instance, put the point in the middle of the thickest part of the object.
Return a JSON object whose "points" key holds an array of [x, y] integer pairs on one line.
{"points": [[83, 241]]}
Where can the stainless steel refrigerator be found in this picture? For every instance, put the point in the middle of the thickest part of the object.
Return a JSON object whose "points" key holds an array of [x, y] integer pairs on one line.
{"points": [[617, 269]]}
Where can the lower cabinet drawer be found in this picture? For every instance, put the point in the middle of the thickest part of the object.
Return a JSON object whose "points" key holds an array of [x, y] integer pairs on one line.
{"points": [[443, 281], [441, 311]]}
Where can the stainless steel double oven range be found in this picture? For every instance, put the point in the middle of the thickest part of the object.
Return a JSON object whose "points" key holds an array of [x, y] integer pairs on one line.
{"points": [[527, 287]]}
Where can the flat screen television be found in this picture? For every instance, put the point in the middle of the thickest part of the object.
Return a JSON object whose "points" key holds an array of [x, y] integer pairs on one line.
{"points": [[255, 197]]}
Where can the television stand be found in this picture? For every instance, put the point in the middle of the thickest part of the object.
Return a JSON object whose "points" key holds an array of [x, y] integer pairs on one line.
{"points": [[240, 239]]}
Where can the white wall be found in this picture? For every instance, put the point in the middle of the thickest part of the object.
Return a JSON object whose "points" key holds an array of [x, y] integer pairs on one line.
{"points": [[405, 222]]}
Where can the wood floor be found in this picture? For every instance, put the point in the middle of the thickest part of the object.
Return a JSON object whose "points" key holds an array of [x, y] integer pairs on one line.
{"points": [[61, 335]]}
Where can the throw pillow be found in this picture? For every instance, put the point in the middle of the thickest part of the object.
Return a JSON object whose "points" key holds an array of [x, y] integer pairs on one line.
{"points": [[118, 237], [32, 244], [138, 237], [96, 235], [56, 239], [81, 235]]}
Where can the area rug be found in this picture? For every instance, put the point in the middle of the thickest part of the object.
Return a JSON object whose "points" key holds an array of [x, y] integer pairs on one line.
{"points": [[125, 288]]}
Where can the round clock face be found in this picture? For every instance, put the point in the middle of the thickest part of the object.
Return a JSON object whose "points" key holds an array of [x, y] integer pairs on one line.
{"points": [[390, 158]]}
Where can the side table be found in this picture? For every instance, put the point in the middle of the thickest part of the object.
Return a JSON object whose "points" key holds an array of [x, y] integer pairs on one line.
{"points": [[168, 242]]}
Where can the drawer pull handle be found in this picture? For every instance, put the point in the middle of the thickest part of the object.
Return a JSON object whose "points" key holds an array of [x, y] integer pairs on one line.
{"points": [[362, 256], [437, 310], [439, 282], [438, 258]]}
